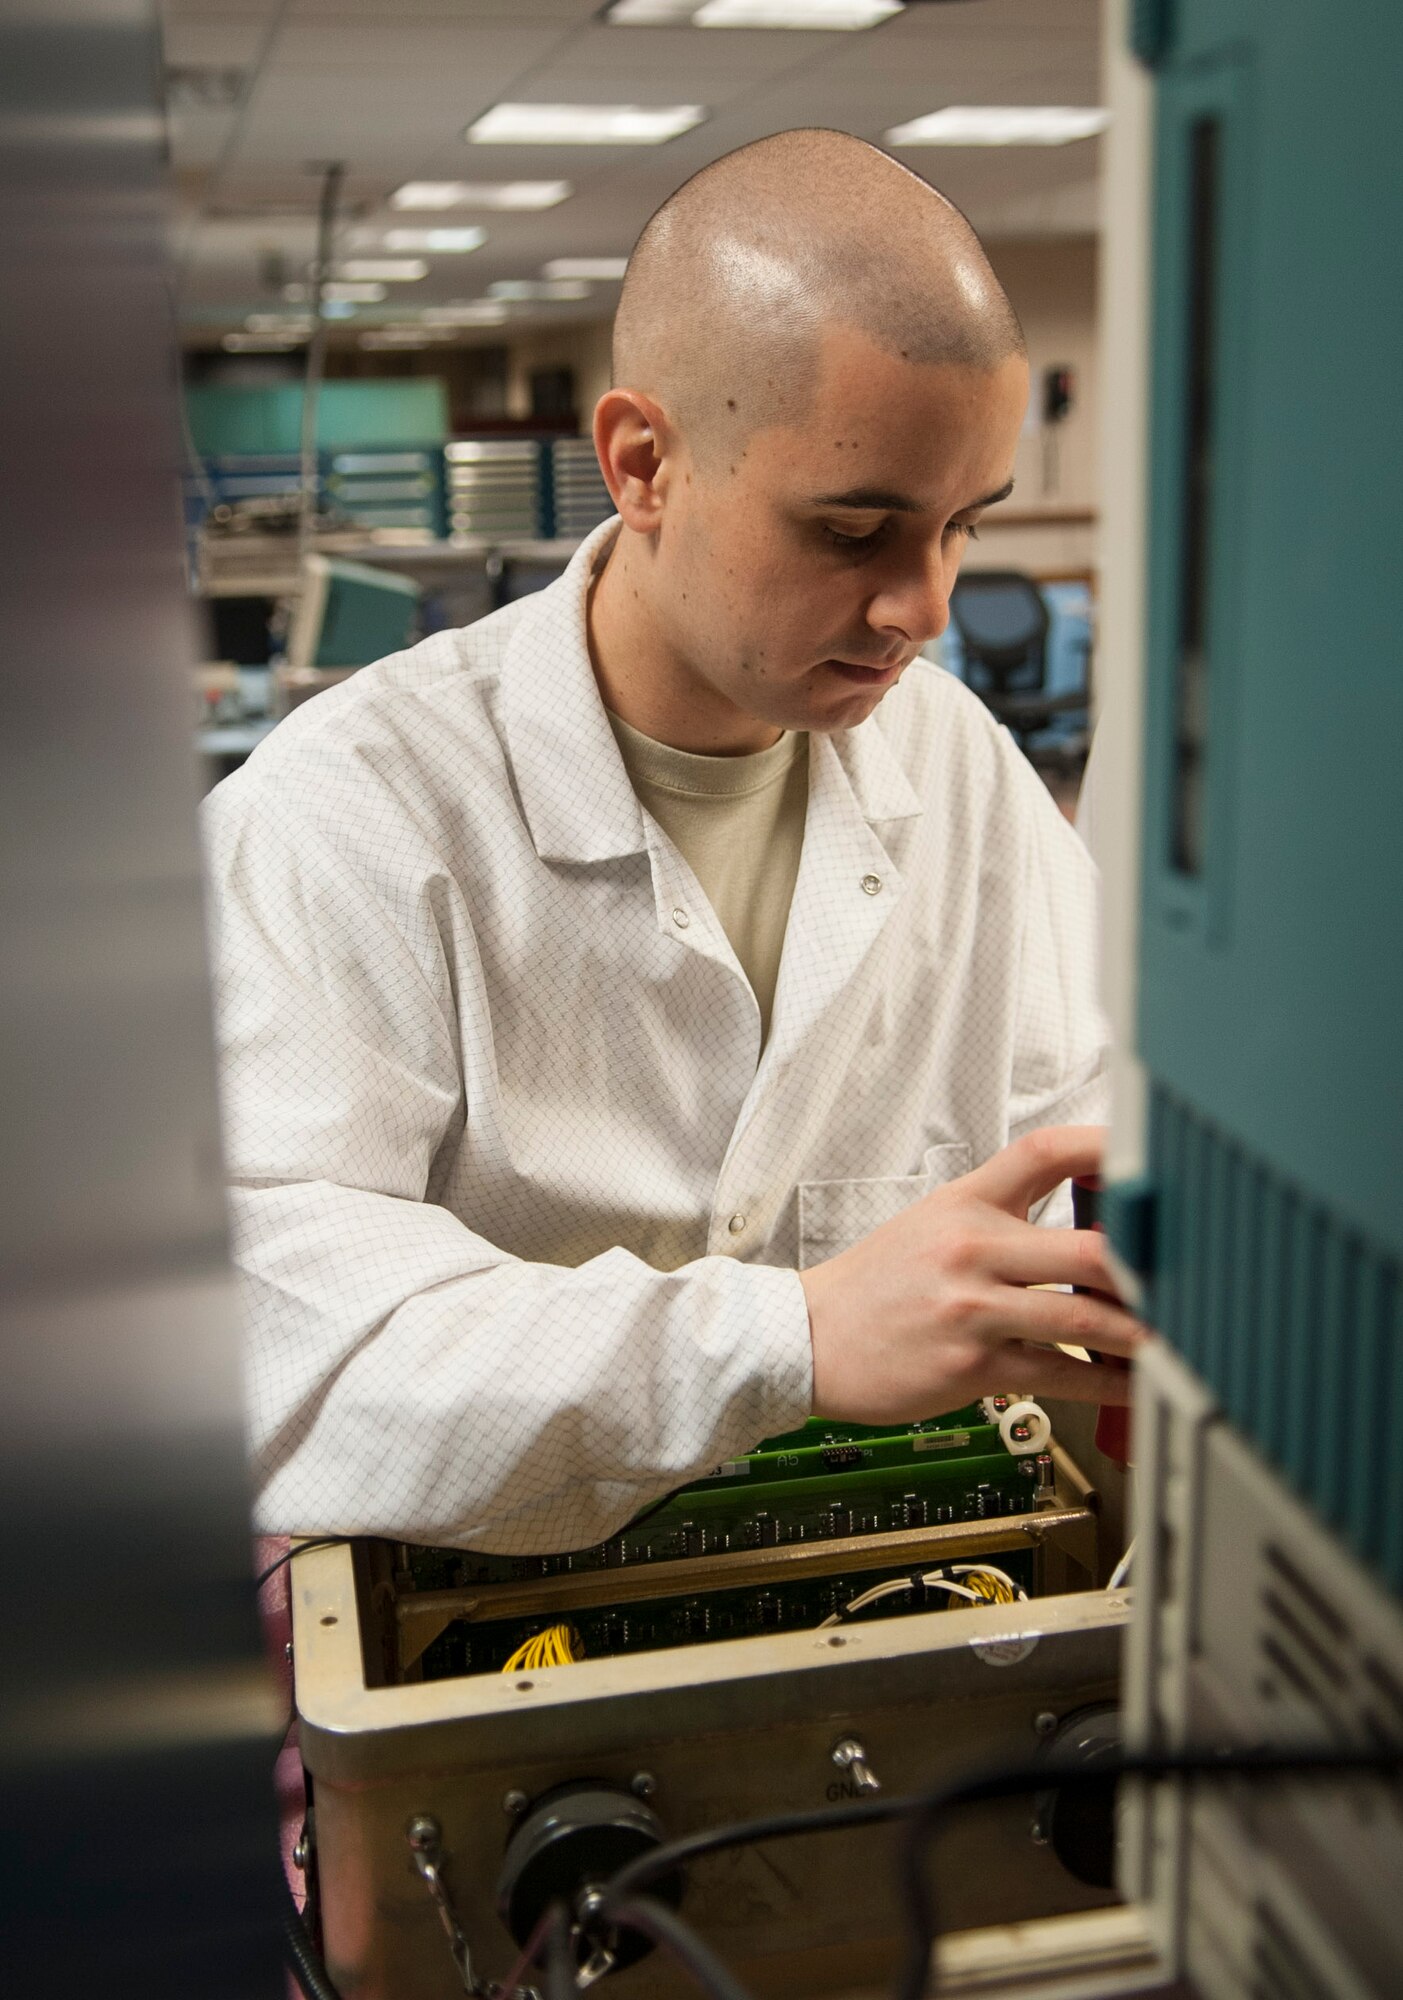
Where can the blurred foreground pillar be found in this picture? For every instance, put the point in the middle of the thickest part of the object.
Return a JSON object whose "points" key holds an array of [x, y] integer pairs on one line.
{"points": [[136, 1721]]}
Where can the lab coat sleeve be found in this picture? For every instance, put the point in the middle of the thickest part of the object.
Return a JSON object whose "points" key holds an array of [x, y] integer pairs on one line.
{"points": [[406, 1377], [1061, 1046]]}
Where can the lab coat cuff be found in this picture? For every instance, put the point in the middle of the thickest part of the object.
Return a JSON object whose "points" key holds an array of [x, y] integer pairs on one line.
{"points": [[786, 1360]]}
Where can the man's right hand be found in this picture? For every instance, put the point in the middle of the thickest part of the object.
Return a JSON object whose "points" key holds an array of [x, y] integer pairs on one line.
{"points": [[933, 1310]]}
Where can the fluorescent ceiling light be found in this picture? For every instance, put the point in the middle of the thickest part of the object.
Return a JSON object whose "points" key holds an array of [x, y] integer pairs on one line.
{"points": [[1001, 125], [392, 270], [795, 13], [337, 291], [338, 309], [467, 312], [583, 124], [480, 194], [295, 326], [261, 343], [398, 336], [811, 14], [585, 267], [443, 242], [539, 288]]}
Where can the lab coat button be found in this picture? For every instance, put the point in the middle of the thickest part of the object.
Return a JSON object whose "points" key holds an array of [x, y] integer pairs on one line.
{"points": [[736, 1224], [681, 919], [871, 885]]}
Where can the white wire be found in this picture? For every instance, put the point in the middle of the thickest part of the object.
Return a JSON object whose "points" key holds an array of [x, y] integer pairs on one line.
{"points": [[890, 1588], [932, 1581], [955, 1589], [984, 1569], [887, 1589], [1122, 1568]]}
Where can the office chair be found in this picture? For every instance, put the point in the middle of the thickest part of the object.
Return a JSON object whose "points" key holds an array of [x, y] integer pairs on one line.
{"points": [[1002, 621]]}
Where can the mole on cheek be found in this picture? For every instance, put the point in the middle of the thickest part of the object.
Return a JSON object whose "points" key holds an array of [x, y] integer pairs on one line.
{"points": [[730, 402]]}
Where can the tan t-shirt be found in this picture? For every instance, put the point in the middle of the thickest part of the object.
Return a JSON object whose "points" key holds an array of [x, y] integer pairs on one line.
{"points": [[738, 822]]}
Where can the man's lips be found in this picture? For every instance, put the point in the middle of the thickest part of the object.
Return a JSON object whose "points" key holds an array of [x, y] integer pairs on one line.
{"points": [[868, 676]]}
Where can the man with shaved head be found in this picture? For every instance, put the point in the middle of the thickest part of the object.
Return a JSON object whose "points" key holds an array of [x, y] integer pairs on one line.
{"points": [[652, 1015], [820, 383]]}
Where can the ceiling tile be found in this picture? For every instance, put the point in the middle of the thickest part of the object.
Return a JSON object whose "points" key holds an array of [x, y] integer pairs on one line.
{"points": [[213, 40], [498, 50], [561, 14], [203, 10], [389, 87], [673, 53], [367, 118]]}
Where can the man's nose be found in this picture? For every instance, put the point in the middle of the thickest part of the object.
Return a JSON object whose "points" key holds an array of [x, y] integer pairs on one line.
{"points": [[915, 603]]}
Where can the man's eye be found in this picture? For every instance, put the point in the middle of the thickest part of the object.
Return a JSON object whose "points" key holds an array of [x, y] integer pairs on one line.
{"points": [[842, 541], [965, 528]]}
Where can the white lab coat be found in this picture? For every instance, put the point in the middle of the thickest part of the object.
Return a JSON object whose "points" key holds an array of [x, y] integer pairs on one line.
{"points": [[518, 1198]]}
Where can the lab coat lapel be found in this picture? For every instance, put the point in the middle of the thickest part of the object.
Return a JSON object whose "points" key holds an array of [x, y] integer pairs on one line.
{"points": [[574, 790], [849, 882]]}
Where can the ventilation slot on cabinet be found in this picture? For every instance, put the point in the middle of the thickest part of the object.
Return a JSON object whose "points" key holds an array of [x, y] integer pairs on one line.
{"points": [[1284, 1310], [1304, 1645], [1310, 1659], [1389, 1694], [1280, 1970], [1381, 1718]]}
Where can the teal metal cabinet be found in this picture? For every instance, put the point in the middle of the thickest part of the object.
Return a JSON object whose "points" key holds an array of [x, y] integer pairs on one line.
{"points": [[1271, 947]]}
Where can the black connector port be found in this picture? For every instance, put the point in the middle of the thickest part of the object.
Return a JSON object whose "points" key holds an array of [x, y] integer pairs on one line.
{"points": [[838, 1457]]}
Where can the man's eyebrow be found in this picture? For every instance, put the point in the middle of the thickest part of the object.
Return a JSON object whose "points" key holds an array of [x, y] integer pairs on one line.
{"points": [[991, 499], [870, 500], [877, 500]]}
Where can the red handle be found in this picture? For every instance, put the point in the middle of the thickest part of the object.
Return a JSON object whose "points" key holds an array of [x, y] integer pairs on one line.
{"points": [[1113, 1431], [1113, 1426]]}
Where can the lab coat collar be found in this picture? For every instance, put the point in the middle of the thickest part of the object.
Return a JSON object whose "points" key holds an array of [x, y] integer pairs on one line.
{"points": [[575, 791], [880, 786]]}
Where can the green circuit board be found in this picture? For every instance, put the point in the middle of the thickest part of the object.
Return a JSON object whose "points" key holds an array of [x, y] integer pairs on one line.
{"points": [[823, 1482], [785, 1605]]}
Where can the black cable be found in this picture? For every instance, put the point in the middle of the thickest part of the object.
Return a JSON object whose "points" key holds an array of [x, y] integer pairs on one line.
{"points": [[660, 1861], [666, 1928], [925, 1809], [299, 1548], [1049, 1774], [560, 1959], [304, 1961]]}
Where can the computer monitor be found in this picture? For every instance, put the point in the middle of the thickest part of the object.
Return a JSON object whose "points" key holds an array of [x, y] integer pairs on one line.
{"points": [[236, 629], [348, 614]]}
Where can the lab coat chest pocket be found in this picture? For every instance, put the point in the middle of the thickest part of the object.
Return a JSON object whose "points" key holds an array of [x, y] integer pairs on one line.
{"points": [[833, 1215]]}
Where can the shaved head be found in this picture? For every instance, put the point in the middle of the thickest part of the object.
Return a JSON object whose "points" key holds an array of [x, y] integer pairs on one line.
{"points": [[734, 280], [818, 391]]}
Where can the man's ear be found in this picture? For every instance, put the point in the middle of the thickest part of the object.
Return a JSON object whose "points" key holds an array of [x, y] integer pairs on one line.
{"points": [[633, 441]]}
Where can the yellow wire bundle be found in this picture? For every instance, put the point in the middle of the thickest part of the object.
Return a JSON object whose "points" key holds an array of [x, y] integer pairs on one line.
{"points": [[557, 1646], [990, 1585]]}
